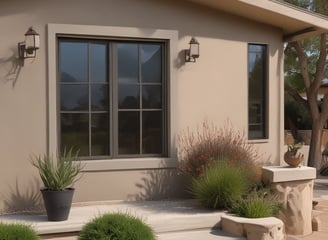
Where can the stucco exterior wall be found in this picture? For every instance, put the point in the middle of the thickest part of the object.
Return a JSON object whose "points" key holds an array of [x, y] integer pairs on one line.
{"points": [[213, 89]]}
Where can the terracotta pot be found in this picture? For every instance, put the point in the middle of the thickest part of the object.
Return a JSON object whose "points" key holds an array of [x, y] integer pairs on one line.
{"points": [[292, 159]]}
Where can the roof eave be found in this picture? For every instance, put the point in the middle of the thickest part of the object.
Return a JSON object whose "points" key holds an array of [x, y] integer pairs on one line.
{"points": [[296, 23]]}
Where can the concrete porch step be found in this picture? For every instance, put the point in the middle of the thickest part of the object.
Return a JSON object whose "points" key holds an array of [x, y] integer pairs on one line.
{"points": [[171, 220]]}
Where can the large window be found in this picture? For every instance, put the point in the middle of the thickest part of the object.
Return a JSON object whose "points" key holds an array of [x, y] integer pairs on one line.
{"points": [[257, 91], [113, 97]]}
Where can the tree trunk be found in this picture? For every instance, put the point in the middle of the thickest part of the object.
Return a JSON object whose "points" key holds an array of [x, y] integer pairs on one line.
{"points": [[315, 155]]}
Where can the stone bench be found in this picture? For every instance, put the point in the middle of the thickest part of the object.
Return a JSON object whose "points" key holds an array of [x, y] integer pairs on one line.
{"points": [[270, 228]]}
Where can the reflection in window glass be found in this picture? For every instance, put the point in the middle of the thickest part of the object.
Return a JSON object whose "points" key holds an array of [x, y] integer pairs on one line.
{"points": [[75, 132], [73, 61], [128, 96], [127, 60], [151, 58], [128, 133], [74, 97], [151, 97], [152, 132], [99, 134], [99, 97], [98, 62]]}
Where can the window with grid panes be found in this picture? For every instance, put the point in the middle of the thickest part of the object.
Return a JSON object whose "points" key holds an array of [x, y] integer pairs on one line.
{"points": [[112, 97]]}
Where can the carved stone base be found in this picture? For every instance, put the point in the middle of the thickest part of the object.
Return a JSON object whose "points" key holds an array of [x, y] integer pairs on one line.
{"points": [[295, 189], [296, 197]]}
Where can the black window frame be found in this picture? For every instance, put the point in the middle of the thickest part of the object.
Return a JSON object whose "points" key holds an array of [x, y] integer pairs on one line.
{"points": [[260, 104], [113, 110]]}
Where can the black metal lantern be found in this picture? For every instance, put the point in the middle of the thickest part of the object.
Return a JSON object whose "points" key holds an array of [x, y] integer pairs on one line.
{"points": [[27, 49], [193, 52]]}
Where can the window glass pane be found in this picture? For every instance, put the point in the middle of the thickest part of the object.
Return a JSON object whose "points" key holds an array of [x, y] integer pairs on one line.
{"points": [[128, 96], [75, 132], [99, 134], [151, 97], [99, 97], [257, 80], [98, 62], [152, 132], [74, 97], [128, 133], [256, 75], [151, 60], [73, 61], [127, 62], [256, 131]]}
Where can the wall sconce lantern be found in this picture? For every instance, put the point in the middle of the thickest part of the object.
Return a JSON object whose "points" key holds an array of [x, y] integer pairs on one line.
{"points": [[193, 52], [27, 49]]}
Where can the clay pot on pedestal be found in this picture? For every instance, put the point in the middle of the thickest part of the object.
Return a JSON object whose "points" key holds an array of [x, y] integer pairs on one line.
{"points": [[292, 159]]}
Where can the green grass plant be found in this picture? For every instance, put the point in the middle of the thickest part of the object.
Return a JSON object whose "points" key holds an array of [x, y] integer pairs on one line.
{"points": [[222, 185], [117, 226], [258, 204], [17, 232], [59, 173]]}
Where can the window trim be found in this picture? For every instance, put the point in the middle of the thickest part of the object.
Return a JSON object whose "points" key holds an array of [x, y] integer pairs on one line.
{"points": [[266, 93], [88, 31]]}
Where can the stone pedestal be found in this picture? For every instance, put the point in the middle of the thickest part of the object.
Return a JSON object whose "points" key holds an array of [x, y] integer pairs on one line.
{"points": [[295, 188]]}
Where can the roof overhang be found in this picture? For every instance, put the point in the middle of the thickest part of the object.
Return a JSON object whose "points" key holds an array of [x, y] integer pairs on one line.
{"points": [[296, 23]]}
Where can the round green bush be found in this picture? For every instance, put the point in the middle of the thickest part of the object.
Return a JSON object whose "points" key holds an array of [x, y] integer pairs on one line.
{"points": [[17, 232], [221, 186], [117, 226]]}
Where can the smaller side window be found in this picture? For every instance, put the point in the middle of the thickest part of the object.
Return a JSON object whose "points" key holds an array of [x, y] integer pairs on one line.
{"points": [[257, 91]]}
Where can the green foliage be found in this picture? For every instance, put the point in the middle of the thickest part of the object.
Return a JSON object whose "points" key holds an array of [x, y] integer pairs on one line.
{"points": [[301, 3], [60, 173], [222, 184], [324, 170], [297, 114], [116, 226], [311, 46], [257, 204], [17, 232], [203, 148]]}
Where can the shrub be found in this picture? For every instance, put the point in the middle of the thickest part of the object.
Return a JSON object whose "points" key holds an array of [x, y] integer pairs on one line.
{"points": [[257, 204], [222, 185], [60, 173], [200, 150], [17, 232], [116, 226]]}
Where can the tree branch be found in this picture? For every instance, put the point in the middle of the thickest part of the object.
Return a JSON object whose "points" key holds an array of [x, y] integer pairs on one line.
{"points": [[303, 63], [320, 66], [296, 96]]}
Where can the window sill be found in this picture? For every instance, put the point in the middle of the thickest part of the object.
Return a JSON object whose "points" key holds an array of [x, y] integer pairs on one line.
{"points": [[258, 141], [129, 164]]}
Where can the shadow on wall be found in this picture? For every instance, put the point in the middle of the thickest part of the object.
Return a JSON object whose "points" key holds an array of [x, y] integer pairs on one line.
{"points": [[160, 185], [11, 67], [23, 199]]}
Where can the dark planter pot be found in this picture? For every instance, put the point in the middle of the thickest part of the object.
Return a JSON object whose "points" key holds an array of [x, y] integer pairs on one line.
{"points": [[57, 203]]}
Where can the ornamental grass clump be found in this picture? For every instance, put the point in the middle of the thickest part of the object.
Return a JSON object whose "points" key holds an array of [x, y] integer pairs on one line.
{"points": [[117, 226], [222, 185], [17, 232], [60, 173], [201, 149], [257, 204]]}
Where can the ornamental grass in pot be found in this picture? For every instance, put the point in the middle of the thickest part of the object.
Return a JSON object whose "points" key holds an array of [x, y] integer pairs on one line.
{"points": [[58, 175]]}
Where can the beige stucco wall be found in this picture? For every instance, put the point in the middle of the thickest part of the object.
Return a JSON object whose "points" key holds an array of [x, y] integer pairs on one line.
{"points": [[214, 88]]}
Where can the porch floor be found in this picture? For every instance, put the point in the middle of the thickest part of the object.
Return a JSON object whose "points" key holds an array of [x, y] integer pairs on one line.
{"points": [[171, 220]]}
